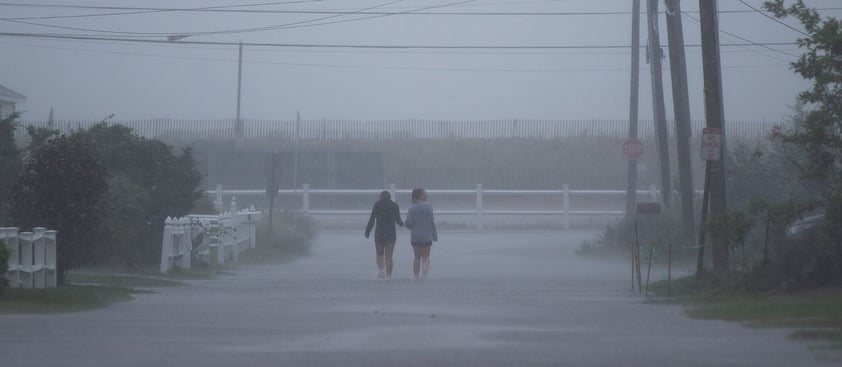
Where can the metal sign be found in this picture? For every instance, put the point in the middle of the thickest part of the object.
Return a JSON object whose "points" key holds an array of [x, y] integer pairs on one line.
{"points": [[711, 144], [632, 148], [648, 208]]}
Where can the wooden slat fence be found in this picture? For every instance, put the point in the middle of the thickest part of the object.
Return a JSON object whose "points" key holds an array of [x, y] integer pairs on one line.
{"points": [[395, 129]]}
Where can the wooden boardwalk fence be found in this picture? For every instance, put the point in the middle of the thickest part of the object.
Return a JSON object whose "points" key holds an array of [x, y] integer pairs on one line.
{"points": [[394, 129]]}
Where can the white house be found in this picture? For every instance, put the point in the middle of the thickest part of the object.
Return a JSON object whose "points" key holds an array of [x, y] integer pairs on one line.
{"points": [[8, 99]]}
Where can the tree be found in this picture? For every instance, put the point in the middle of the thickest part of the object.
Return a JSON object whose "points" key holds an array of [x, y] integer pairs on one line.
{"points": [[150, 182], [9, 161], [819, 133], [63, 186]]}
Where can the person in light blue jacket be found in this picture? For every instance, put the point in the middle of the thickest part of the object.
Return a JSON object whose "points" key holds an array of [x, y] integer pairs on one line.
{"points": [[419, 218]]}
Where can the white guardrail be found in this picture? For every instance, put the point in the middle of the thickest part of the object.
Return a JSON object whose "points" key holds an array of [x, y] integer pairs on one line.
{"points": [[32, 257], [213, 238], [567, 209]]}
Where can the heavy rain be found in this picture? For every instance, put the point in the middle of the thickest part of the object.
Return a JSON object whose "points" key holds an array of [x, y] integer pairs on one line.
{"points": [[424, 182]]}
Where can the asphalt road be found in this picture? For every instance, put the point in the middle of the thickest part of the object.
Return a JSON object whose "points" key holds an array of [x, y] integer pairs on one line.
{"points": [[498, 299]]}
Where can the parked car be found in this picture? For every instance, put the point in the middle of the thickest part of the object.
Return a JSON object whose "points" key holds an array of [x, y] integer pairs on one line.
{"points": [[801, 227]]}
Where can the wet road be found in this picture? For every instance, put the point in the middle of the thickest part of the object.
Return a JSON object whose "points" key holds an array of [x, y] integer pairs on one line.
{"points": [[499, 299]]}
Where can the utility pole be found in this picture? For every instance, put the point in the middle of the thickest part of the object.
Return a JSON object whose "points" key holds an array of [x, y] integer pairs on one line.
{"points": [[295, 152], [238, 127], [681, 105], [655, 54], [715, 116], [631, 188]]}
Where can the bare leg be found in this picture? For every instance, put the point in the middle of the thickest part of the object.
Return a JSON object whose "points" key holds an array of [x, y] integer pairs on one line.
{"points": [[390, 250], [425, 259], [381, 261], [416, 263]]}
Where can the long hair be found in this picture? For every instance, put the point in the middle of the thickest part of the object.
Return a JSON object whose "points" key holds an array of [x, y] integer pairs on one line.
{"points": [[416, 194]]}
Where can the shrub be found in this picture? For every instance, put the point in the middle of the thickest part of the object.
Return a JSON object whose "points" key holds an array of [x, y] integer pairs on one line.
{"points": [[292, 233], [63, 187], [658, 230], [9, 161]]}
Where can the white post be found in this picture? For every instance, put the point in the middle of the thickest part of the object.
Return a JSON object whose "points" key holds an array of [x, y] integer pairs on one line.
{"points": [[653, 193], [566, 204], [26, 259], [218, 205], [39, 258], [479, 206], [13, 245], [166, 246], [305, 206], [52, 268], [393, 190], [184, 247]]}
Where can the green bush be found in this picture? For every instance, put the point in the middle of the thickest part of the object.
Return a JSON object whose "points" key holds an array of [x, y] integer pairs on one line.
{"points": [[657, 230], [63, 186], [292, 234]]}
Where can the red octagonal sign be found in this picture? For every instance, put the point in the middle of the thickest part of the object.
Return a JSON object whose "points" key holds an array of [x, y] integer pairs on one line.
{"points": [[632, 148]]}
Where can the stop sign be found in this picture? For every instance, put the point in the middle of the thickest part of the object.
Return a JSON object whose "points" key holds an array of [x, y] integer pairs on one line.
{"points": [[632, 148]]}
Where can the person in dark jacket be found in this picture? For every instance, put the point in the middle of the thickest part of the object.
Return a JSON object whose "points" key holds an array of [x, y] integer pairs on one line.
{"points": [[385, 213]]}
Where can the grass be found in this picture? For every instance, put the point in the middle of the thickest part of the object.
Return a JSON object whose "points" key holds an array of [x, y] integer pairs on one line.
{"points": [[70, 298], [84, 291], [814, 314]]}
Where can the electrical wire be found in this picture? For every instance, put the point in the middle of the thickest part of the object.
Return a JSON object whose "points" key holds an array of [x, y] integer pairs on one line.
{"points": [[776, 20], [137, 10], [746, 40], [225, 9], [358, 46], [367, 67], [298, 24]]}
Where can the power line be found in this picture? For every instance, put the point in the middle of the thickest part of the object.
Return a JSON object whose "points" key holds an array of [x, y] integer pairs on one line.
{"points": [[746, 40], [356, 46], [137, 10], [369, 67], [758, 11], [225, 9], [298, 24]]}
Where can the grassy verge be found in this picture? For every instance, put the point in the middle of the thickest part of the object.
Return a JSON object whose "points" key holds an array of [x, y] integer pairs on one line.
{"points": [[813, 314], [62, 299], [85, 291]]}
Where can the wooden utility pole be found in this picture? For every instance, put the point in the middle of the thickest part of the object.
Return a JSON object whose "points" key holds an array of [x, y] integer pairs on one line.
{"points": [[681, 105], [631, 188], [655, 54], [715, 117]]}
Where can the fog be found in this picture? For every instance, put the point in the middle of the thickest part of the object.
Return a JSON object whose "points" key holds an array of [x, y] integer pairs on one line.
{"points": [[93, 79]]}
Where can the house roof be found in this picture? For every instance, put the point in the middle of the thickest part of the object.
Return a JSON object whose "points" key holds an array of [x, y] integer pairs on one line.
{"points": [[9, 95]]}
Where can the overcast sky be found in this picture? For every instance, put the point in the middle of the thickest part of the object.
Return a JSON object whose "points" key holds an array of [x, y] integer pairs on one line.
{"points": [[92, 79]]}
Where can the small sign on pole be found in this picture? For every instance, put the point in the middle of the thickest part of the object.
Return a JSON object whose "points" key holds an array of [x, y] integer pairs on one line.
{"points": [[632, 148], [711, 144], [648, 208]]}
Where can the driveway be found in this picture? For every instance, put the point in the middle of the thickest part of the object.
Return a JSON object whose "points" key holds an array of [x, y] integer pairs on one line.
{"points": [[493, 299]]}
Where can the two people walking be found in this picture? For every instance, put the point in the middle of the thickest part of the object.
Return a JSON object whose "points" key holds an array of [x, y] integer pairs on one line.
{"points": [[419, 219]]}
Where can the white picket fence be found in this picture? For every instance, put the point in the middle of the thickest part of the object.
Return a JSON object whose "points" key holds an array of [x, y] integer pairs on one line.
{"points": [[32, 257], [216, 238]]}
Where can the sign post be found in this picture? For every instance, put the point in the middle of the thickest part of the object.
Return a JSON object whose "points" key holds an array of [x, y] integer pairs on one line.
{"points": [[642, 208], [711, 152]]}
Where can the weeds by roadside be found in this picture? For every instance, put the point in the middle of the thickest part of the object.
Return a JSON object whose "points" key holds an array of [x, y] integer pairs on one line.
{"points": [[814, 314]]}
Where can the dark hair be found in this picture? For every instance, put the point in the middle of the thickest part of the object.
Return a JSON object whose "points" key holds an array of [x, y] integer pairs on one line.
{"points": [[385, 195], [416, 194]]}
